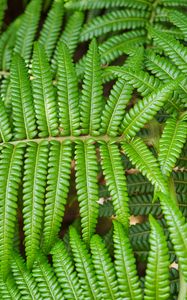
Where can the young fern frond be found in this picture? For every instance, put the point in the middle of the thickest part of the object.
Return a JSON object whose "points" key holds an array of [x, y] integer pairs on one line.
{"points": [[24, 123], [100, 4], [84, 266], [68, 94], [70, 36], [27, 30], [51, 27], [59, 168], [5, 127], [65, 272], [11, 159], [34, 184], [43, 94], [172, 48], [171, 143], [104, 269], [124, 262], [114, 21], [24, 280], [87, 189], [91, 103], [114, 109], [145, 161], [157, 271], [115, 180], [46, 280]]}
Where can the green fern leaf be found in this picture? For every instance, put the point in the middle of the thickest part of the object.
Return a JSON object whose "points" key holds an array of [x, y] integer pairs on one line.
{"points": [[34, 182], [91, 103], [84, 266], [157, 272], [174, 3], [114, 21], [143, 205], [172, 48], [180, 20], [11, 160], [9, 290], [87, 189], [24, 280], [22, 102], [5, 127], [144, 160], [51, 28], [59, 168], [116, 181], [171, 143], [70, 36], [114, 110], [128, 282], [46, 280], [43, 94], [27, 30], [100, 4], [68, 94], [65, 272], [104, 269], [177, 228], [144, 110], [3, 7]]}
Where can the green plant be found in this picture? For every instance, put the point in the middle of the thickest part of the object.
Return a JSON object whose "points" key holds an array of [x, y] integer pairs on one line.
{"points": [[66, 142]]}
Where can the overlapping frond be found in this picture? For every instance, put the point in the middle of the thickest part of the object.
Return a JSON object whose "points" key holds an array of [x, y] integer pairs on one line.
{"points": [[5, 126]]}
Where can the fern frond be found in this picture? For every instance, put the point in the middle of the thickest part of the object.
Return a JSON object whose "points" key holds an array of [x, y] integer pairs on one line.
{"points": [[5, 127], [157, 272], [65, 272], [124, 262], [43, 93], [27, 30], [51, 27], [46, 280], [100, 4], [104, 269], [116, 181], [119, 44], [7, 42], [86, 185], [59, 168], [114, 21], [22, 102], [6, 96], [3, 7], [180, 20], [171, 143], [70, 36], [180, 180], [68, 94], [144, 110], [91, 103], [142, 81], [173, 48], [138, 184], [114, 109], [145, 161], [84, 266], [174, 3], [24, 280], [143, 205], [177, 228], [34, 182], [11, 160], [8, 289]]}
